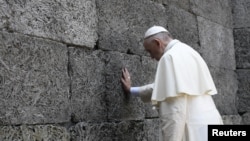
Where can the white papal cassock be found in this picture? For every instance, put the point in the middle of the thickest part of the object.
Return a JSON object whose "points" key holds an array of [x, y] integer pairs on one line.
{"points": [[182, 91]]}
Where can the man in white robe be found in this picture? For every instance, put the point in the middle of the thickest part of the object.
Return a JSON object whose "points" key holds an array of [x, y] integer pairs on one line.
{"points": [[182, 90]]}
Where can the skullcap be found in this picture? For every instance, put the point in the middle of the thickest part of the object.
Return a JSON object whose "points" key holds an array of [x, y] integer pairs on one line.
{"points": [[154, 30]]}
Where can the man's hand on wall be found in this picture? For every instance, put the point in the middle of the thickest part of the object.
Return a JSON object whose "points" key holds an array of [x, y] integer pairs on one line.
{"points": [[126, 81]]}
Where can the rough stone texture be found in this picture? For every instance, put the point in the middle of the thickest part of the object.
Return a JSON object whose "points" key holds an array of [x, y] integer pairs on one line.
{"points": [[73, 22], [44, 82], [122, 131], [217, 45], [142, 71], [122, 24], [241, 13], [218, 11], [181, 4], [147, 76], [242, 50], [4, 14], [88, 85], [241, 22], [152, 129], [34, 133], [183, 26], [231, 119], [243, 92], [226, 84], [120, 105], [33, 80], [246, 118]]}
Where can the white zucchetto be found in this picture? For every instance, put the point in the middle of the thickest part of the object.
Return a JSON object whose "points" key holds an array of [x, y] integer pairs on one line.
{"points": [[154, 30]]}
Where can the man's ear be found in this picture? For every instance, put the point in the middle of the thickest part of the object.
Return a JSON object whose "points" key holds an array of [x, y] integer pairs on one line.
{"points": [[157, 42]]}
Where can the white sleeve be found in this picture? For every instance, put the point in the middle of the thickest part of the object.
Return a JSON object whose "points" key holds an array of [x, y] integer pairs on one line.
{"points": [[144, 92], [134, 91]]}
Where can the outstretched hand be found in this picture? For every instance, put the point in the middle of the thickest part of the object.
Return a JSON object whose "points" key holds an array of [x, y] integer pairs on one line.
{"points": [[126, 82]]}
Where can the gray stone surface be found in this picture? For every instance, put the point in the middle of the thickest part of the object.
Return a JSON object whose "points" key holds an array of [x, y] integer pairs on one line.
{"points": [[122, 24], [147, 74], [120, 105], [73, 22], [4, 14], [243, 92], [34, 133], [246, 118], [34, 82], [183, 26], [231, 119], [181, 4], [151, 129], [88, 85], [218, 11], [122, 131], [242, 51], [241, 13], [226, 83], [217, 45]]}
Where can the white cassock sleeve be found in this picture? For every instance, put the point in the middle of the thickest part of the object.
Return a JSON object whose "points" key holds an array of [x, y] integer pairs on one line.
{"points": [[144, 92]]}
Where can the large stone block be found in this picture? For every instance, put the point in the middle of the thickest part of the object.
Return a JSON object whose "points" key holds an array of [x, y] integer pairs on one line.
{"points": [[183, 4], [147, 76], [218, 11], [34, 82], [34, 133], [217, 44], [122, 24], [73, 22], [241, 13], [4, 14], [88, 85], [148, 71], [242, 50], [120, 105], [183, 26], [243, 92], [123, 131], [152, 129], [246, 118], [231, 119], [226, 83]]}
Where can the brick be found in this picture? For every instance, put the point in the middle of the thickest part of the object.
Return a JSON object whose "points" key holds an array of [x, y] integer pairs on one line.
{"points": [[217, 44], [123, 30], [243, 96], [73, 22], [4, 14], [227, 85], [183, 26], [242, 51], [241, 12], [246, 118], [120, 130], [88, 85], [218, 11], [147, 76], [232, 119], [34, 80], [120, 105], [33, 133]]}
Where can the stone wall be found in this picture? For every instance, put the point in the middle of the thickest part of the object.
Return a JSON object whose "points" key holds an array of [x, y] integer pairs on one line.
{"points": [[61, 61], [241, 13]]}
